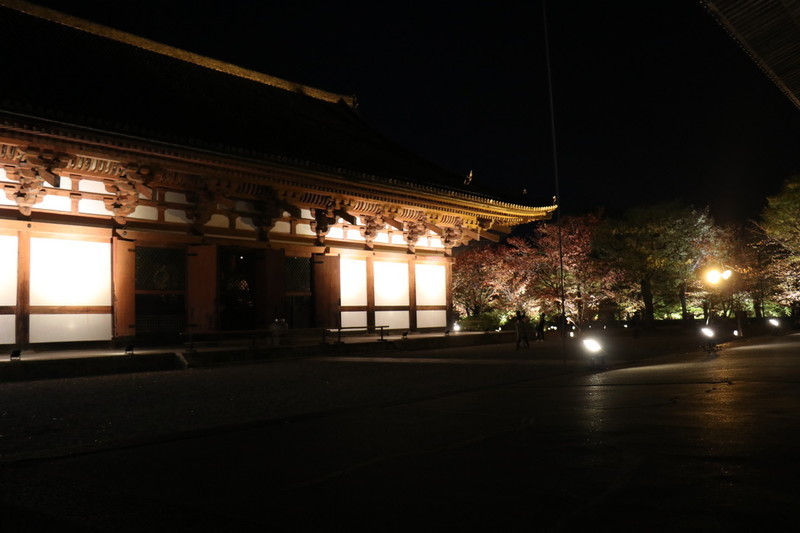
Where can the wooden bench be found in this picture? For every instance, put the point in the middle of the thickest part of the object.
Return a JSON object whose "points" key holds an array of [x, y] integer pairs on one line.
{"points": [[338, 330]]}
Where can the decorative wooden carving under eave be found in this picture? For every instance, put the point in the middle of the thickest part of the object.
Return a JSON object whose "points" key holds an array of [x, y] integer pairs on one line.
{"points": [[452, 237], [269, 207], [372, 226], [134, 181], [205, 201], [412, 232], [35, 168], [321, 225], [204, 205]]}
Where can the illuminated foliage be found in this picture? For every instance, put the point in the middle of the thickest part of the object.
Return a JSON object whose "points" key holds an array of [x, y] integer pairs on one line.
{"points": [[659, 247], [781, 217]]}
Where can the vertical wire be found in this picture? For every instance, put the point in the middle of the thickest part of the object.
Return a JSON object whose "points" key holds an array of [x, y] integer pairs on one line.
{"points": [[563, 319]]}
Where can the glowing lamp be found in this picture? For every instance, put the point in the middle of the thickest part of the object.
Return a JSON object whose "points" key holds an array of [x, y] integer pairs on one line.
{"points": [[592, 345], [708, 332], [714, 276]]}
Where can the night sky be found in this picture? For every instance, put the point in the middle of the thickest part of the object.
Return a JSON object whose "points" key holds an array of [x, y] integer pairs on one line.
{"points": [[653, 100]]}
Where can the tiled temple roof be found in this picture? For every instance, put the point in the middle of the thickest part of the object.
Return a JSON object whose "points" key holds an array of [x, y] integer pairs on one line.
{"points": [[73, 72], [769, 31]]}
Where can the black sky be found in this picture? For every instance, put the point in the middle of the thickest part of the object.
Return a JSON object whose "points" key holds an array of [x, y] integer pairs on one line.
{"points": [[653, 100]]}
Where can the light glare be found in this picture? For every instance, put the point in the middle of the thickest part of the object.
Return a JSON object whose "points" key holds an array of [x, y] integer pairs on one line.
{"points": [[592, 345]]}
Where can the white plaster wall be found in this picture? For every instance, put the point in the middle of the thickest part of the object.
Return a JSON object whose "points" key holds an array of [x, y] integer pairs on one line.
{"points": [[145, 212], [391, 283], [431, 319], [353, 281], [70, 328], [65, 272], [8, 279], [393, 319], [431, 282], [51, 202], [354, 319], [93, 207], [8, 329], [176, 215]]}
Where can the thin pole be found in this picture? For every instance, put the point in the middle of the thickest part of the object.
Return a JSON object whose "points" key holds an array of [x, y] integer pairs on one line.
{"points": [[563, 319]]}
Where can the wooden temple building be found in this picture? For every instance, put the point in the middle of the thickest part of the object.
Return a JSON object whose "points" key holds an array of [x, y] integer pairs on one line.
{"points": [[146, 191]]}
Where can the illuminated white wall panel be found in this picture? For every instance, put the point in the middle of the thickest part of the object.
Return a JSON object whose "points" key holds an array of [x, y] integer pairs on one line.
{"points": [[354, 319], [335, 233], [248, 223], [70, 328], [8, 279], [51, 202], [431, 284], [393, 319], [304, 229], [176, 215], [7, 329], [3, 176], [354, 235], [145, 212], [431, 319], [353, 281], [397, 238], [92, 186], [281, 227], [65, 272], [391, 283], [65, 183], [93, 207], [382, 237], [175, 197], [4, 199], [218, 221]]}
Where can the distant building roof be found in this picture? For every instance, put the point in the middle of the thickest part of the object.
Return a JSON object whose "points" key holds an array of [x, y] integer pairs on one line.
{"points": [[64, 69], [769, 31]]}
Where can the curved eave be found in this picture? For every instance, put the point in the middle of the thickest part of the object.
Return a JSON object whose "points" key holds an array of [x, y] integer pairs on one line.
{"points": [[173, 52]]}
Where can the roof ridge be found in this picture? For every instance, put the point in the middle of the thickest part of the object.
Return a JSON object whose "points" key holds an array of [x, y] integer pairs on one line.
{"points": [[107, 32]]}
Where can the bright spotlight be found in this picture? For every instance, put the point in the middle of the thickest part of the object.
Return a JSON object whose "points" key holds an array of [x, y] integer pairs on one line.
{"points": [[592, 345], [456, 327], [713, 276], [774, 322], [708, 332]]}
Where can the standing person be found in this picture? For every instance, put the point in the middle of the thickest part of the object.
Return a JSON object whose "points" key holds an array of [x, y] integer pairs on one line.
{"points": [[540, 329], [522, 331]]}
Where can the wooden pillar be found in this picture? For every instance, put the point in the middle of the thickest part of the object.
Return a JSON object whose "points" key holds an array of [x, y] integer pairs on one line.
{"points": [[23, 308], [448, 269], [326, 287], [201, 286], [412, 295], [124, 282], [370, 294]]}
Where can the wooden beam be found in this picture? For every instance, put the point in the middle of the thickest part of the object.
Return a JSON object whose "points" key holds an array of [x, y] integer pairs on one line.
{"points": [[394, 223], [434, 228]]}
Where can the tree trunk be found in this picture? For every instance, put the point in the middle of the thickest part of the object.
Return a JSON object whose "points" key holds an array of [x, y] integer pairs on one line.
{"points": [[647, 298], [682, 296]]}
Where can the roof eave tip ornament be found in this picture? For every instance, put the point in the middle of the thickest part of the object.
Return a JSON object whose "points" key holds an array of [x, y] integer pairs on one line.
{"points": [[468, 179]]}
